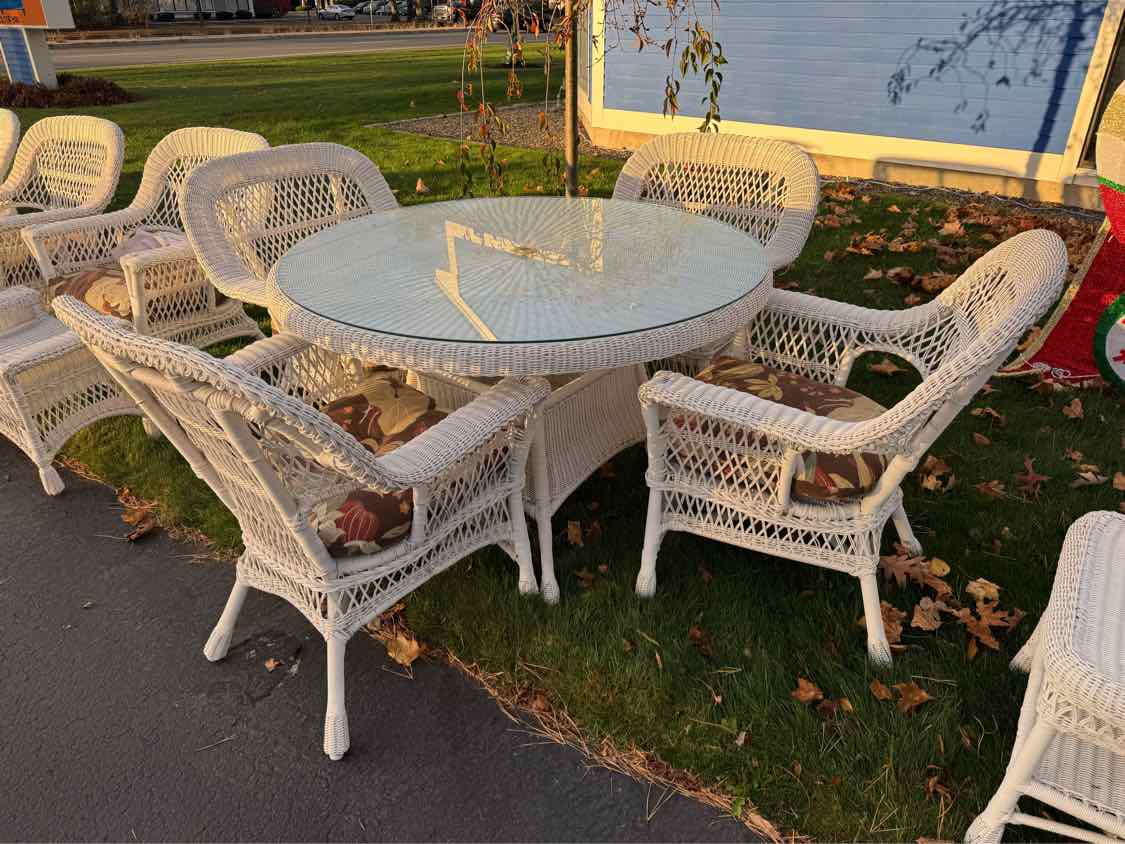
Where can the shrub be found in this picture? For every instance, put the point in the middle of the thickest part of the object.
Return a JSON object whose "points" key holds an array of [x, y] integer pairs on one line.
{"points": [[73, 91]]}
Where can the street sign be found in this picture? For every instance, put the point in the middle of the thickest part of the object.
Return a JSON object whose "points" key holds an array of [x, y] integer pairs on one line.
{"points": [[23, 38]]}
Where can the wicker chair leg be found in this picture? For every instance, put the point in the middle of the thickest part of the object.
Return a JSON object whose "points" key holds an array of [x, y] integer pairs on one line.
{"points": [[878, 649], [219, 642], [336, 740], [988, 828], [906, 533], [522, 544], [646, 577], [548, 585], [50, 479]]}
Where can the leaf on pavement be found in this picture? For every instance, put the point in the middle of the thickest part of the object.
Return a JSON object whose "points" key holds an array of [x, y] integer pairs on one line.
{"points": [[404, 650]]}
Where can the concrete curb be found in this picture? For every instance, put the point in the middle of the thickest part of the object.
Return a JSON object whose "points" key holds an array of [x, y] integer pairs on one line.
{"points": [[250, 36]]}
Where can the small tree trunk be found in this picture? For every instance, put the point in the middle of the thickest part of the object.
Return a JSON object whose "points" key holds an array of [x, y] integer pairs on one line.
{"points": [[570, 105]]}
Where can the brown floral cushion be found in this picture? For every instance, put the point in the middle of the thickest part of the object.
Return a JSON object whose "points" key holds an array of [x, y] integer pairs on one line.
{"points": [[826, 477], [382, 415], [103, 286]]}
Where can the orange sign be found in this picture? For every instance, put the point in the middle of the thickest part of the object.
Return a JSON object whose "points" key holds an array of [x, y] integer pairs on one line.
{"points": [[36, 14]]}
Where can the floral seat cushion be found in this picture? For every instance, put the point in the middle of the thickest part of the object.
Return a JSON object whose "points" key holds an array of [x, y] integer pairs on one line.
{"points": [[102, 287], [383, 414], [826, 477]]}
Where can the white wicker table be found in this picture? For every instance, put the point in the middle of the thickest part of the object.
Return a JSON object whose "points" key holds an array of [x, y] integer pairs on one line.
{"points": [[584, 291]]}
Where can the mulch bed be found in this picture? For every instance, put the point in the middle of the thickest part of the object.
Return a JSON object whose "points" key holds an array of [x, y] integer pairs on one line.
{"points": [[73, 91]]}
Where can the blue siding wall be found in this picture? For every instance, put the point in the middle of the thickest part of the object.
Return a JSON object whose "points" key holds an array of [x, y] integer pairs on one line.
{"points": [[1000, 73]]}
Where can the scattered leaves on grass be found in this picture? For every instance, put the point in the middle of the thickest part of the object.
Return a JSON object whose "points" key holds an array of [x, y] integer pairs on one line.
{"points": [[927, 615], [806, 692], [911, 696], [932, 471], [989, 413], [1073, 409], [990, 489], [1030, 481], [880, 691], [885, 367]]}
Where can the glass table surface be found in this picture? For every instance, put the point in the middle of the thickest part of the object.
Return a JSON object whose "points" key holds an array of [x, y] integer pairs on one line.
{"points": [[521, 270]]}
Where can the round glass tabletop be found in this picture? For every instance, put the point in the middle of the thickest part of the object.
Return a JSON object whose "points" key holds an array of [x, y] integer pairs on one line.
{"points": [[521, 270]]}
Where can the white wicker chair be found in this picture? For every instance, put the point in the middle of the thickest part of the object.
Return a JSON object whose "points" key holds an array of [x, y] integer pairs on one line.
{"points": [[50, 385], [167, 293], [9, 138], [722, 462], [249, 426], [1070, 744], [65, 167], [243, 213], [767, 188]]}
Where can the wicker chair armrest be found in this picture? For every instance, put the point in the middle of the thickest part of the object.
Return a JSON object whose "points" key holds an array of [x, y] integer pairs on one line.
{"points": [[428, 456], [797, 429], [314, 375], [78, 243], [18, 306], [139, 262], [822, 337]]}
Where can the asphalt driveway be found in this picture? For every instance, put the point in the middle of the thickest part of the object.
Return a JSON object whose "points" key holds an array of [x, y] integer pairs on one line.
{"points": [[115, 727]]}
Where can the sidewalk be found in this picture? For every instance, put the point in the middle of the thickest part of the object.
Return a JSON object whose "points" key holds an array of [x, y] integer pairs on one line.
{"points": [[116, 727], [173, 33]]}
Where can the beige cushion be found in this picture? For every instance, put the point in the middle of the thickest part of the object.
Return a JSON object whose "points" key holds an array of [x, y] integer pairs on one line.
{"points": [[826, 477], [103, 287], [383, 414]]}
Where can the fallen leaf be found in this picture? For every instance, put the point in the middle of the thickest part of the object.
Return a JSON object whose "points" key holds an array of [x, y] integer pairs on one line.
{"points": [[990, 489], [885, 367], [740, 739], [827, 709], [911, 696], [1073, 409], [1072, 455], [806, 692], [880, 691], [1030, 481], [873, 275], [900, 274], [939, 567], [926, 616], [1119, 481], [892, 621], [421, 187], [829, 256], [144, 527], [845, 705], [272, 664], [989, 413], [893, 209], [1088, 477], [913, 299], [701, 640], [983, 590], [574, 533], [404, 650], [585, 578], [981, 439]]}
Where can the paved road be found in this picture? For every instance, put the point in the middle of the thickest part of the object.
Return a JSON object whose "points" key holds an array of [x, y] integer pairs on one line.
{"points": [[230, 48], [116, 728]]}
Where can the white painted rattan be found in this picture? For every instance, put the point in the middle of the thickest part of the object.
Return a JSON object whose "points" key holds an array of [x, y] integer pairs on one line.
{"points": [[249, 426], [168, 292], [243, 213], [538, 257], [65, 167], [767, 188], [1070, 744], [9, 138], [50, 385], [721, 462]]}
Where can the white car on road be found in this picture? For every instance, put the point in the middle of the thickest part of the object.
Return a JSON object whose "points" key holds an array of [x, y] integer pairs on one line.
{"points": [[335, 12]]}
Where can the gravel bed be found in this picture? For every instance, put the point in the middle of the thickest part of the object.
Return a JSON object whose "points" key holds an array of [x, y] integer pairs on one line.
{"points": [[521, 129]]}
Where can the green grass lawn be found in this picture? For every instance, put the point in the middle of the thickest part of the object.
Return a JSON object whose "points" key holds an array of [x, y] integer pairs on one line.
{"points": [[628, 669]]}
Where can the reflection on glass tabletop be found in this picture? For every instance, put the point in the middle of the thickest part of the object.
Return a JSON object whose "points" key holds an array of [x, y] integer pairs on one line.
{"points": [[521, 269]]}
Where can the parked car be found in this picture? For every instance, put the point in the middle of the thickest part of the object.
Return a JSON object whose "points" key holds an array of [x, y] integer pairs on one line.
{"points": [[369, 7], [335, 12], [441, 13]]}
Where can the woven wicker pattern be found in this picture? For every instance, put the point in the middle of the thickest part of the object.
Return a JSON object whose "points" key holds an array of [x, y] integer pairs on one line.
{"points": [[9, 138], [65, 167], [767, 188], [250, 427], [243, 213], [722, 462], [50, 385], [168, 291], [1070, 747]]}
